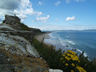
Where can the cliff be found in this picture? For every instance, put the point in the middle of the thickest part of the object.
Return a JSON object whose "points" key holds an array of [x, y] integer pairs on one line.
{"points": [[16, 51], [15, 22]]}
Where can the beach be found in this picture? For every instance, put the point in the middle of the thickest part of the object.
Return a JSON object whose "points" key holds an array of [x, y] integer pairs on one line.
{"points": [[41, 37]]}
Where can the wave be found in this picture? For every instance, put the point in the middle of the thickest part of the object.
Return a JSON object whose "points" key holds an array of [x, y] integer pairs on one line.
{"points": [[65, 44], [59, 40], [66, 41], [70, 42], [85, 54]]}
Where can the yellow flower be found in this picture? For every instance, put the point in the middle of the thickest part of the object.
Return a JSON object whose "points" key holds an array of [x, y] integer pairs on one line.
{"points": [[64, 55], [73, 64], [79, 61], [75, 58], [72, 70], [67, 58], [70, 51], [80, 69], [70, 55], [66, 64]]}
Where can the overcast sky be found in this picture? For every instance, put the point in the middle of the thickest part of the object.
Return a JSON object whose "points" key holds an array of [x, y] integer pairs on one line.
{"points": [[52, 14]]}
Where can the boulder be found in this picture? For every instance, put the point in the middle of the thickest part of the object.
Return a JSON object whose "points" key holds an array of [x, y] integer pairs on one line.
{"points": [[55, 70]]}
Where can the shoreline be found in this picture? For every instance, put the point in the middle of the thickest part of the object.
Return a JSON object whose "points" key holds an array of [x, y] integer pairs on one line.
{"points": [[41, 37]]}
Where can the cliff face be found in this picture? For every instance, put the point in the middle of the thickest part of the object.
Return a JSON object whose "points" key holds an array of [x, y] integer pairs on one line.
{"points": [[15, 22], [16, 51], [13, 26]]}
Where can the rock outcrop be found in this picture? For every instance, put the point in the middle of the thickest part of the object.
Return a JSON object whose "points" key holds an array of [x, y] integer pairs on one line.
{"points": [[15, 22], [10, 19], [16, 51], [55, 70]]}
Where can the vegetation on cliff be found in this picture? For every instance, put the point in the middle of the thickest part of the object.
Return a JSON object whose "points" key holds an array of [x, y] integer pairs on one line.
{"points": [[67, 61], [16, 63]]}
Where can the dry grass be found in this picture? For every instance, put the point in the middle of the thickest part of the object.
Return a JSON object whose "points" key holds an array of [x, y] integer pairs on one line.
{"points": [[25, 62]]}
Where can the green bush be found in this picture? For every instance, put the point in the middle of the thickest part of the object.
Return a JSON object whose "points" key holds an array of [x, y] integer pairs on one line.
{"points": [[49, 53]]}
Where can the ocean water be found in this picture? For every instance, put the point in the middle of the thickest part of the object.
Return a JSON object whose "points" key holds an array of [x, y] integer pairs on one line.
{"points": [[75, 40]]}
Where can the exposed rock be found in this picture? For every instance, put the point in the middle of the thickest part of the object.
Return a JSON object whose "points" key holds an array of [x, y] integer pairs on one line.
{"points": [[15, 23], [16, 51], [11, 19], [17, 45], [6, 27], [55, 70]]}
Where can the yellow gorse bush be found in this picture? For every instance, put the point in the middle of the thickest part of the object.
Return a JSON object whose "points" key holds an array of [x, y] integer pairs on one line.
{"points": [[70, 51], [72, 70], [71, 60], [66, 64], [70, 55], [80, 69], [73, 64]]}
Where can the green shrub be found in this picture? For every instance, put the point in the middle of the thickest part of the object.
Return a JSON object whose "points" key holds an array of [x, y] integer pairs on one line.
{"points": [[49, 53]]}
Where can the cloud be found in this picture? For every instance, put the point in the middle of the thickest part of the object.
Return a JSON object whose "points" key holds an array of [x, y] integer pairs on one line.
{"points": [[71, 18], [9, 4], [21, 8], [69, 1], [39, 13], [79, 0], [57, 3], [26, 9], [40, 3], [58, 27], [43, 19]]}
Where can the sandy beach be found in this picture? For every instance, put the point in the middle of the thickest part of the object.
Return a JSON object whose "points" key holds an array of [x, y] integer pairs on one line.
{"points": [[41, 37]]}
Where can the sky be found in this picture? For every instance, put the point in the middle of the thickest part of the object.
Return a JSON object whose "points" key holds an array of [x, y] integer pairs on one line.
{"points": [[52, 14]]}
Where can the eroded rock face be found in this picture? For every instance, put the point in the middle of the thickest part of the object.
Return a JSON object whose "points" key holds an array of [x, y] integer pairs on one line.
{"points": [[14, 22], [17, 45], [16, 51]]}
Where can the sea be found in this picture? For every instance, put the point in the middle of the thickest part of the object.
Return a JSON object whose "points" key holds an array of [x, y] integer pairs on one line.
{"points": [[79, 41]]}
